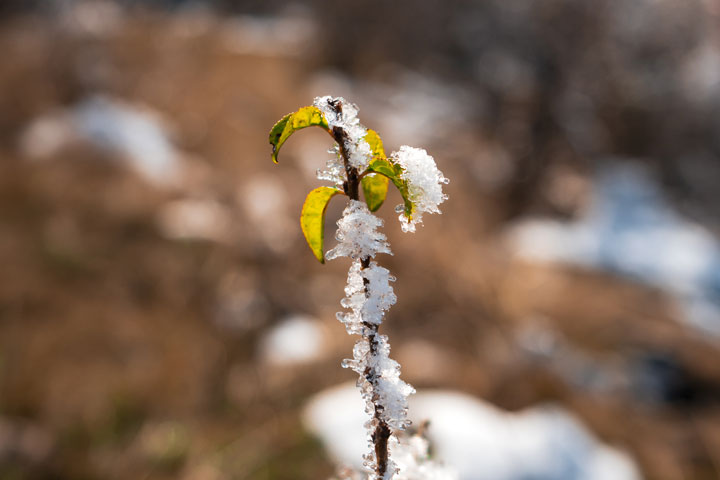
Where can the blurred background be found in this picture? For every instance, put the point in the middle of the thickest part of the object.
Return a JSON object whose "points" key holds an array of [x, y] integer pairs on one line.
{"points": [[162, 317]]}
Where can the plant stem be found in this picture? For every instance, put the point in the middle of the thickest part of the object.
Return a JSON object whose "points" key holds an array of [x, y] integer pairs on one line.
{"points": [[382, 432]]}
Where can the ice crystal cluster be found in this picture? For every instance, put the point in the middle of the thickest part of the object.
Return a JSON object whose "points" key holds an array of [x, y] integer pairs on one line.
{"points": [[368, 296], [419, 170], [391, 392], [412, 462], [357, 234], [343, 114], [424, 184]]}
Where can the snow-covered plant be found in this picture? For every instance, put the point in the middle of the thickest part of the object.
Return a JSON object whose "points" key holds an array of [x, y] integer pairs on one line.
{"points": [[358, 163]]}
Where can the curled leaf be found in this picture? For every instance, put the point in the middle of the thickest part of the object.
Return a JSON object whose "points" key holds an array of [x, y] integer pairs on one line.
{"points": [[292, 122], [312, 218]]}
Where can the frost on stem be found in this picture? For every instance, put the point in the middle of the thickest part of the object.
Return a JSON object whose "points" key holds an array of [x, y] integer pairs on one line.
{"points": [[424, 184], [368, 294], [411, 461], [342, 114], [382, 386], [334, 170], [357, 234]]}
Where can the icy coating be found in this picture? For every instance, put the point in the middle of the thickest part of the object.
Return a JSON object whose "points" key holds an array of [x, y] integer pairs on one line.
{"points": [[345, 117], [411, 462], [368, 294], [424, 184], [357, 234], [334, 170], [391, 392]]}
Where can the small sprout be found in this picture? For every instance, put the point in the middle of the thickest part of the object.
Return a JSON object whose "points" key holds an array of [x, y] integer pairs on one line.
{"points": [[359, 162]]}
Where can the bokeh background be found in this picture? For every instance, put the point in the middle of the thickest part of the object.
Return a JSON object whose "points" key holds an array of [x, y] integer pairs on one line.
{"points": [[162, 317]]}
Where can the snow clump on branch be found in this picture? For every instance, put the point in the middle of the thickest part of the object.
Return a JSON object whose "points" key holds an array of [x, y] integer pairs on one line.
{"points": [[357, 234], [368, 294], [391, 392], [343, 114], [424, 184]]}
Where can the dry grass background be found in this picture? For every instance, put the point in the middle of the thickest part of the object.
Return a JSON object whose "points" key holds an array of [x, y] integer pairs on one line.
{"points": [[128, 354]]}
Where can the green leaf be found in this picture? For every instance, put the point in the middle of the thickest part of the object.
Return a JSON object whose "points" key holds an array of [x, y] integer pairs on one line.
{"points": [[292, 122], [386, 167], [392, 171], [375, 188], [312, 218]]}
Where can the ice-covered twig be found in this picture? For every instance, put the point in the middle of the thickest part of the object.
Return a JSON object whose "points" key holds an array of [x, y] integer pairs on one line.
{"points": [[368, 293], [359, 160]]}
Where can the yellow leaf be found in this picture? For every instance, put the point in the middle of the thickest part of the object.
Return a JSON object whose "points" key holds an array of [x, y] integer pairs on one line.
{"points": [[376, 144], [292, 122], [312, 218]]}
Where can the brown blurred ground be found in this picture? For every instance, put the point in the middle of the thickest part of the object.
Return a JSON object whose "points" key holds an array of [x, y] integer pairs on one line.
{"points": [[125, 353]]}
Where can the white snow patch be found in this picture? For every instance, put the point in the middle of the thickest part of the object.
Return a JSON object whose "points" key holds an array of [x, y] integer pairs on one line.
{"points": [[195, 219], [135, 134], [297, 339], [477, 439], [631, 229], [96, 18], [417, 108]]}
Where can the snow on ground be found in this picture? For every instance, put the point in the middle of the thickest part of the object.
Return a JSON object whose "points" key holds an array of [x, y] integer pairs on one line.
{"points": [[630, 229], [132, 132], [195, 219], [480, 441], [297, 339]]}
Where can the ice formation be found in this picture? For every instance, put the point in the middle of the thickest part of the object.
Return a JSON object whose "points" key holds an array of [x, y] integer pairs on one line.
{"points": [[357, 234], [368, 294], [391, 392], [334, 169], [477, 439], [343, 114], [424, 184]]}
